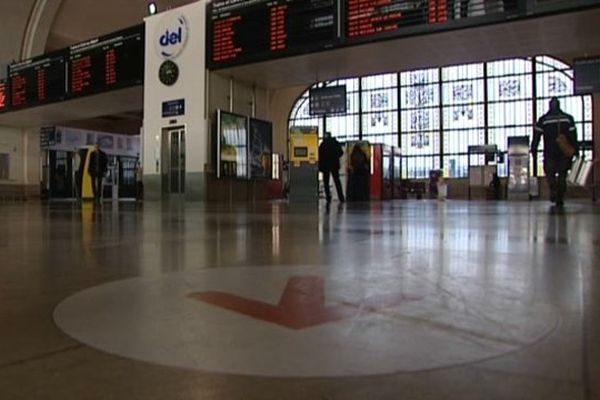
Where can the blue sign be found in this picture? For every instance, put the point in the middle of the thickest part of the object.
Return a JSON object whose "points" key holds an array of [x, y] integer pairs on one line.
{"points": [[173, 108]]}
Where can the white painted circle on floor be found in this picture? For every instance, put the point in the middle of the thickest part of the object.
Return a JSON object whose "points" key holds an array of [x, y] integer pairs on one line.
{"points": [[272, 322]]}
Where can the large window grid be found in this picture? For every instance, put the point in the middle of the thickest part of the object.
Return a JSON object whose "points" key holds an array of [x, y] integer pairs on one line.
{"points": [[435, 114]]}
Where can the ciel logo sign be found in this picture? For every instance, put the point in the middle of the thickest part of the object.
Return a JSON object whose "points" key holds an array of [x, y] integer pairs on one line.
{"points": [[171, 36]]}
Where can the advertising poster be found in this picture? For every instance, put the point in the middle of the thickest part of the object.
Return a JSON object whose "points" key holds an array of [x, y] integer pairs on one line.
{"points": [[261, 149], [233, 145]]}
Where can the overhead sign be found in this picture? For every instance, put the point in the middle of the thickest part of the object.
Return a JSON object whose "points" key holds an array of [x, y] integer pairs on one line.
{"points": [[247, 31], [327, 100], [3, 96], [38, 80], [171, 36], [587, 75], [109, 62]]}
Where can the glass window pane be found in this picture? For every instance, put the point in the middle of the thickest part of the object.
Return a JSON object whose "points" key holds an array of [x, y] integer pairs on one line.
{"points": [[419, 167], [509, 67], [465, 116], [459, 141], [381, 122], [420, 143], [389, 139], [510, 114], [545, 63], [419, 77], [499, 136], [351, 84], [459, 72], [463, 92], [343, 127], [418, 96], [376, 100], [420, 120], [379, 81], [456, 166], [553, 84], [510, 88]]}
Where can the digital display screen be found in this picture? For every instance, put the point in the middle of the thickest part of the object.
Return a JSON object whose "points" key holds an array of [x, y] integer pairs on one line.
{"points": [[37, 81], [243, 31], [232, 144], [327, 100], [110, 62], [3, 95], [300, 151], [261, 149], [368, 18]]}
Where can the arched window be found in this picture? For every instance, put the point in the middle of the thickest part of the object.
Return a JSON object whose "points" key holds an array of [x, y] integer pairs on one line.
{"points": [[435, 114]]}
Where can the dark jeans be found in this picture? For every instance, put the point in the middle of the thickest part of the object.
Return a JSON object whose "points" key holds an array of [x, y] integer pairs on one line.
{"points": [[556, 174], [97, 186], [336, 180]]}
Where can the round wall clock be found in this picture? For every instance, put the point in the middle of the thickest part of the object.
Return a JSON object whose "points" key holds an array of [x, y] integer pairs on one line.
{"points": [[168, 73]]}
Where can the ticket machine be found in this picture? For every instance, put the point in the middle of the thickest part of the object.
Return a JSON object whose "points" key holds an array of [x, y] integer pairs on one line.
{"points": [[304, 164]]}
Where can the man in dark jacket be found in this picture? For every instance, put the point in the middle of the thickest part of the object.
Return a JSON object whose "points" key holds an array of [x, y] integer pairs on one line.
{"points": [[556, 126], [97, 169], [330, 152]]}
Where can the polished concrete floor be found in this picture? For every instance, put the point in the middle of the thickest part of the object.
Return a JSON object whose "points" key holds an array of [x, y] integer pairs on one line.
{"points": [[399, 300]]}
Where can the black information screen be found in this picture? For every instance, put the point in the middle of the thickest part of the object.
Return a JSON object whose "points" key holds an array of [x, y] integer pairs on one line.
{"points": [[37, 81], [110, 62], [369, 18], [327, 100], [245, 31], [3, 95], [587, 75]]}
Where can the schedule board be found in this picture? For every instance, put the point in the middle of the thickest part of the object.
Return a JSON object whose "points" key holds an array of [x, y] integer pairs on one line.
{"points": [[246, 31], [37, 81], [587, 75], [374, 18], [3, 95], [106, 63]]}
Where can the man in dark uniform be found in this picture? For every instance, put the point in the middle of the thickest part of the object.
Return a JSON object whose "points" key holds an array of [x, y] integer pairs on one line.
{"points": [[557, 162], [97, 169], [330, 152]]}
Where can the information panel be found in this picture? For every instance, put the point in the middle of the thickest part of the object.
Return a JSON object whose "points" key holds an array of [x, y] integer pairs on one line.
{"points": [[587, 75], [37, 81], [245, 31], [327, 100], [261, 149], [3, 95], [110, 62], [369, 18], [232, 145]]}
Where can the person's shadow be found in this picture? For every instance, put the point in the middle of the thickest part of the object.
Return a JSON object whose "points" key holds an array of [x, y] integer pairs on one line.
{"points": [[557, 226]]}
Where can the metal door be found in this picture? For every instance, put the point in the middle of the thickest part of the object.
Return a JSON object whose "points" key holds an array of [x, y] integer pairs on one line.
{"points": [[173, 160]]}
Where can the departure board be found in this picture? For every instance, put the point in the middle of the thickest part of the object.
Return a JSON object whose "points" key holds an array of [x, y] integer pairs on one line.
{"points": [[37, 81], [244, 31], [368, 18], [3, 95], [110, 62]]}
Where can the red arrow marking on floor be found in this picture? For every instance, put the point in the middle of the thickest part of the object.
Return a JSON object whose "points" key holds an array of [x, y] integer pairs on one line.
{"points": [[302, 304]]}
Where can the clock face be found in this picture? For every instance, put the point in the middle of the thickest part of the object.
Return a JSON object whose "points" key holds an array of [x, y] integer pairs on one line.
{"points": [[168, 73]]}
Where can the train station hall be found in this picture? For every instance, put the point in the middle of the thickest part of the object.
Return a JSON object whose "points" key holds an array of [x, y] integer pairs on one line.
{"points": [[299, 200]]}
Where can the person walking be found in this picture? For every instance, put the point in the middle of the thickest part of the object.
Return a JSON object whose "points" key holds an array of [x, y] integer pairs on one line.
{"points": [[97, 169], [330, 152], [560, 145]]}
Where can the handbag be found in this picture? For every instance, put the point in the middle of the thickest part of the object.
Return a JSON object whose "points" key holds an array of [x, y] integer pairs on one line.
{"points": [[580, 172], [565, 145]]}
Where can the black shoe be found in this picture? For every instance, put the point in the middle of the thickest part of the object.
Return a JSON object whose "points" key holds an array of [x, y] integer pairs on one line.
{"points": [[560, 203]]}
